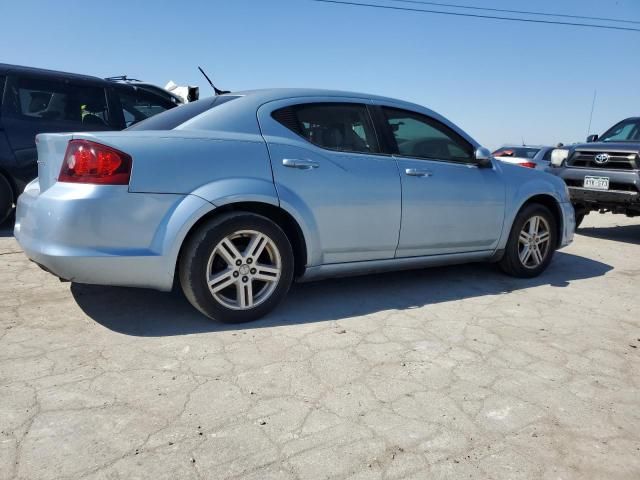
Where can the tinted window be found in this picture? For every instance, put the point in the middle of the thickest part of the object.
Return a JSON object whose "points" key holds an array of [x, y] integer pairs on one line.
{"points": [[58, 101], [517, 152], [420, 136], [344, 127], [179, 115], [2, 79], [626, 131], [547, 155], [138, 105]]}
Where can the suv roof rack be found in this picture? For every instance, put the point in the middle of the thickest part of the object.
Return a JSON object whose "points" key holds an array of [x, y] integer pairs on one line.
{"points": [[122, 78]]}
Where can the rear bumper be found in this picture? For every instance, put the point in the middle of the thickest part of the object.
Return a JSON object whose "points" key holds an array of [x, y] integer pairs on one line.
{"points": [[105, 235]]}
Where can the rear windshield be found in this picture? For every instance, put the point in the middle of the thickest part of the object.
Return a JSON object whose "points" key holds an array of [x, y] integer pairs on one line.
{"points": [[517, 152], [177, 116]]}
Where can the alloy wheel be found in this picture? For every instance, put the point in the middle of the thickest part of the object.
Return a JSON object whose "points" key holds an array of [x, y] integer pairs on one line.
{"points": [[244, 269], [534, 242]]}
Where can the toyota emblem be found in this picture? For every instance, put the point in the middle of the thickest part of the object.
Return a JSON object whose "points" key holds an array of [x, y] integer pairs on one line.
{"points": [[602, 158]]}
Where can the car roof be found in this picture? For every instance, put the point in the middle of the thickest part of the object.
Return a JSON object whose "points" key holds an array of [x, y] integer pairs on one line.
{"points": [[271, 94], [6, 68]]}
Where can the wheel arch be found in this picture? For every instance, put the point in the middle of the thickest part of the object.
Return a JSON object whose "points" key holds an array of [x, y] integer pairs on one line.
{"points": [[276, 214], [552, 204]]}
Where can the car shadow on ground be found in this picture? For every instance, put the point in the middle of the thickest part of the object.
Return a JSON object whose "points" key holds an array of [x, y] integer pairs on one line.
{"points": [[149, 313], [621, 233]]}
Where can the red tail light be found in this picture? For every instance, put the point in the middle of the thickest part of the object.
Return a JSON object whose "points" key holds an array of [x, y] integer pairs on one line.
{"points": [[527, 164], [90, 162]]}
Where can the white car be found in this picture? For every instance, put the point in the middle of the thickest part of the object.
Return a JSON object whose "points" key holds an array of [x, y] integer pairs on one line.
{"points": [[538, 157]]}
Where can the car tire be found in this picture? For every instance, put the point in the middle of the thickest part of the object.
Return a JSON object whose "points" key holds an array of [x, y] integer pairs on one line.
{"points": [[579, 219], [6, 199], [237, 267], [531, 243]]}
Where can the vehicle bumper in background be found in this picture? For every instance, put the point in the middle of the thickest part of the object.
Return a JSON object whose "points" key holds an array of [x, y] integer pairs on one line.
{"points": [[618, 197], [568, 224], [624, 187], [105, 235]]}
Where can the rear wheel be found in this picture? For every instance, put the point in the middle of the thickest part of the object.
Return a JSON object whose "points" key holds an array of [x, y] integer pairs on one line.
{"points": [[6, 199], [237, 267], [531, 242]]}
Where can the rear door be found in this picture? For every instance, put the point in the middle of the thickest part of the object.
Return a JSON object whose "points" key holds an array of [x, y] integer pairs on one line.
{"points": [[327, 166], [48, 104], [449, 204]]}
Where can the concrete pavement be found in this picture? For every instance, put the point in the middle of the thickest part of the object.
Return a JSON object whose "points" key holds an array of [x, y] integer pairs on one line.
{"points": [[454, 372]]}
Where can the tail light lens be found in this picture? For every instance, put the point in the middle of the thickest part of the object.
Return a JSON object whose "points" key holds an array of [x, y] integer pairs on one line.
{"points": [[91, 162], [527, 164]]}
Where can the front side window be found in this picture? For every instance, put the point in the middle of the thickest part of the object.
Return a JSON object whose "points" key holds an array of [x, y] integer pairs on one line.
{"points": [[626, 131], [138, 105], [344, 127], [420, 136], [55, 100]]}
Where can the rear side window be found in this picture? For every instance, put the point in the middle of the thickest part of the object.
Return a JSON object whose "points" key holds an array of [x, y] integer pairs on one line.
{"points": [[138, 105], [419, 136], [53, 100], [345, 127], [179, 115]]}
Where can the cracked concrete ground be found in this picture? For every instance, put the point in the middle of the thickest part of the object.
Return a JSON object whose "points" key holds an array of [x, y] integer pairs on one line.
{"points": [[454, 372]]}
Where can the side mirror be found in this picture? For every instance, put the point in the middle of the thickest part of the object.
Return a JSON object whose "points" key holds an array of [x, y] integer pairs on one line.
{"points": [[592, 138], [483, 157]]}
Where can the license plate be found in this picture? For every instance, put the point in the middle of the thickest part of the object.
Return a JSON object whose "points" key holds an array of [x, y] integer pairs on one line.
{"points": [[597, 183]]}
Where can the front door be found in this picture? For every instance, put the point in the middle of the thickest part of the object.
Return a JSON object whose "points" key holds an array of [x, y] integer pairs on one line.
{"points": [[449, 204]]}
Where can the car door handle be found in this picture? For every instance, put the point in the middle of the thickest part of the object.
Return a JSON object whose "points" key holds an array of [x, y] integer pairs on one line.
{"points": [[301, 164], [418, 172]]}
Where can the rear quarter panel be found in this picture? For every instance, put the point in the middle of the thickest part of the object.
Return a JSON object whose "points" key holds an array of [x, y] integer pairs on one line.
{"points": [[219, 167]]}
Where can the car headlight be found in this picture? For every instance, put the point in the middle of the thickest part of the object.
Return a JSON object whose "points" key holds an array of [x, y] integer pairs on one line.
{"points": [[558, 156]]}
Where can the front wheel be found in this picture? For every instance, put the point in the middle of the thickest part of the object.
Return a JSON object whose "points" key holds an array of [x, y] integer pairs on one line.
{"points": [[531, 242], [237, 267]]}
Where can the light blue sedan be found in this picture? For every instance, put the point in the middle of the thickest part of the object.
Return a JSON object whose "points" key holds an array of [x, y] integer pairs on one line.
{"points": [[235, 196]]}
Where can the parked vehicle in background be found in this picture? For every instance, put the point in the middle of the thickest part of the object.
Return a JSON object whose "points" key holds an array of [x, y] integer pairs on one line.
{"points": [[258, 188], [604, 173], [524, 155], [33, 101]]}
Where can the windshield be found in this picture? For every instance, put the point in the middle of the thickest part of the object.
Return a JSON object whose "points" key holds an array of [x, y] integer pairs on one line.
{"points": [[517, 152], [177, 116], [625, 131]]}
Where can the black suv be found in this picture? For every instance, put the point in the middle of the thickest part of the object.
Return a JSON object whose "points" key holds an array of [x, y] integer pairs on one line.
{"points": [[35, 101], [604, 173]]}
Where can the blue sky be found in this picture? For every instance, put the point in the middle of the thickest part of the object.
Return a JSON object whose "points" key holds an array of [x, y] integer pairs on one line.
{"points": [[500, 81]]}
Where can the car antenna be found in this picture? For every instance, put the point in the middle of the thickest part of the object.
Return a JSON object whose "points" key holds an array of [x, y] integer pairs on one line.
{"points": [[215, 89]]}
